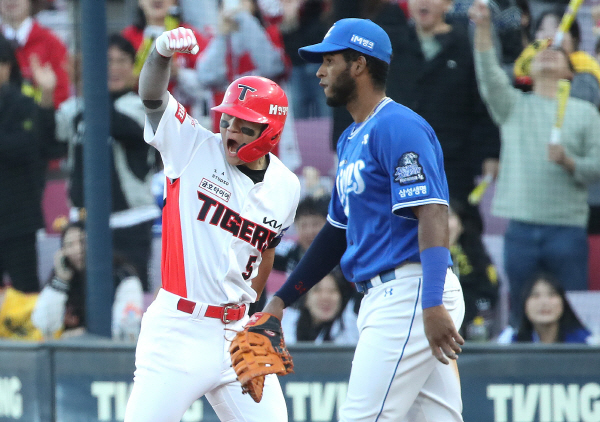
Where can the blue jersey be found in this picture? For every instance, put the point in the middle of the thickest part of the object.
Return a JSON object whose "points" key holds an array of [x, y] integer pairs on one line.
{"points": [[387, 164]]}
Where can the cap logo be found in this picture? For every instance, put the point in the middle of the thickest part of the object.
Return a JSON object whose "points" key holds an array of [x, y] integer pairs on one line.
{"points": [[245, 89], [329, 32], [362, 42]]}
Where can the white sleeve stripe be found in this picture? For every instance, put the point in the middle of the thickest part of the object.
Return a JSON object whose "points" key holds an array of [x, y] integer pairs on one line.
{"points": [[420, 202], [335, 223]]}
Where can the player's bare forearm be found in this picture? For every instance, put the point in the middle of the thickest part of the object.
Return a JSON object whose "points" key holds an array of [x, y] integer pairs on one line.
{"points": [[264, 269], [441, 333], [154, 80], [433, 225], [275, 307]]}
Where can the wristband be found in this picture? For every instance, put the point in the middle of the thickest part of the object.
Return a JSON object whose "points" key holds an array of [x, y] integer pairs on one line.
{"points": [[435, 267], [162, 46], [60, 285]]}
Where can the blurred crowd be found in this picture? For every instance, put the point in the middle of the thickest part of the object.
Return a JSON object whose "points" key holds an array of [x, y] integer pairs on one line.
{"points": [[495, 134]]}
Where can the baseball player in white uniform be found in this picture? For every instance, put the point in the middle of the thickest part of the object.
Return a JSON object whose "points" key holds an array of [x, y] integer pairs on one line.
{"points": [[228, 202]]}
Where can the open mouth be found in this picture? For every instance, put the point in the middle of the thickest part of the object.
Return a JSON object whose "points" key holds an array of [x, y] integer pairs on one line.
{"points": [[232, 147]]}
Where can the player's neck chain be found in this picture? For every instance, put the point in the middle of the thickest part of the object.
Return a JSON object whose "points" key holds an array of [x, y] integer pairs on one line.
{"points": [[375, 108], [358, 126]]}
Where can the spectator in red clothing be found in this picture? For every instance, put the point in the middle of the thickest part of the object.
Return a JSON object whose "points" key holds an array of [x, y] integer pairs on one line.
{"points": [[30, 38], [153, 18], [242, 46], [248, 42]]}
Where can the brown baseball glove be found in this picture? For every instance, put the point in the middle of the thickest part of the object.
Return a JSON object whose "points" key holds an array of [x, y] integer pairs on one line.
{"points": [[259, 350]]}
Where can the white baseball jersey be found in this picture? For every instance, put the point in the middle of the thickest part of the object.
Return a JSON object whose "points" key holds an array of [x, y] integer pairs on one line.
{"points": [[216, 221]]}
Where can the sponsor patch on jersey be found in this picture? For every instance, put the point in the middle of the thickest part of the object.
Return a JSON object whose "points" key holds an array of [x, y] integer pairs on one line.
{"points": [[180, 113], [413, 191], [215, 189], [409, 170]]}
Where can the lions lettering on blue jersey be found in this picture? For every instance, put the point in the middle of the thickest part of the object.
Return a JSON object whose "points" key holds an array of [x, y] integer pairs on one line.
{"points": [[387, 164]]}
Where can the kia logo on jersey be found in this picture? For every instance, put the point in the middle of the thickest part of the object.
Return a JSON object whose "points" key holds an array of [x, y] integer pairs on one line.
{"points": [[245, 89], [272, 223]]}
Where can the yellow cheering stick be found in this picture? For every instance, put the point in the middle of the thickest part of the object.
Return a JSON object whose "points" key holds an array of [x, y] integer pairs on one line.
{"points": [[523, 63], [477, 193], [566, 22], [562, 95]]}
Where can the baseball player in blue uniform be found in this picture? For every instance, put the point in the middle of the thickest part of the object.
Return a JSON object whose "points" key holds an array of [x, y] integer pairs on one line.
{"points": [[387, 226]]}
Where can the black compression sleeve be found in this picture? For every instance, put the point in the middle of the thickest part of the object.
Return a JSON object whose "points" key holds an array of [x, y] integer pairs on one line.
{"points": [[321, 257]]}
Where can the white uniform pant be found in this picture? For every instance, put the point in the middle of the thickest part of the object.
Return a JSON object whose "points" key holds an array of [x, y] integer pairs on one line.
{"points": [[394, 376], [181, 357]]}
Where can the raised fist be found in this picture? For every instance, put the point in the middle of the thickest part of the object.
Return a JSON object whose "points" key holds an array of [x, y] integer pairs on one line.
{"points": [[180, 40]]}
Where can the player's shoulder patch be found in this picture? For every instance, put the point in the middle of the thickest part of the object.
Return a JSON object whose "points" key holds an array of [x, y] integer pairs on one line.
{"points": [[180, 113], [409, 170]]}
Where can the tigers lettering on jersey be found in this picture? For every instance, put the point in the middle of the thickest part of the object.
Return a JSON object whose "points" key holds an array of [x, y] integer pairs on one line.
{"points": [[229, 220]]}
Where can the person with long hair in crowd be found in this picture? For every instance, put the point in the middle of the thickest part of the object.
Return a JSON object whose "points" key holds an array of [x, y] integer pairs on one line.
{"points": [[547, 316], [60, 308], [324, 314]]}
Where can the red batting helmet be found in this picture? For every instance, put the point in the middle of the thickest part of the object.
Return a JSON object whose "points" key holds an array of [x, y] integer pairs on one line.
{"points": [[259, 100]]}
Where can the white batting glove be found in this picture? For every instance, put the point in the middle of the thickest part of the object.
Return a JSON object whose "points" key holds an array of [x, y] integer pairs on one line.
{"points": [[180, 40]]}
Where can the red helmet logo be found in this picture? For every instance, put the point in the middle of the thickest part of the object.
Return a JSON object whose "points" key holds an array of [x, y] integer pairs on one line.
{"points": [[259, 100]]}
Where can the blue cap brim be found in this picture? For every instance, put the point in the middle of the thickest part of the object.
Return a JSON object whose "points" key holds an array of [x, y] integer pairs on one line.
{"points": [[314, 53]]}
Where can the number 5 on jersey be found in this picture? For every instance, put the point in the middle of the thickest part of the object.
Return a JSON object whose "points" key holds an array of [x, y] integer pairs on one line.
{"points": [[246, 275]]}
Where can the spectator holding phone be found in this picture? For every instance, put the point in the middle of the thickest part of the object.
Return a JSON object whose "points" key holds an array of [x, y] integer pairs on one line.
{"points": [[60, 308]]}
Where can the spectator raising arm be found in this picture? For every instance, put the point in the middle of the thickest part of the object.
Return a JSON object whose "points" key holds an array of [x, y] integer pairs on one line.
{"points": [[494, 86], [242, 47]]}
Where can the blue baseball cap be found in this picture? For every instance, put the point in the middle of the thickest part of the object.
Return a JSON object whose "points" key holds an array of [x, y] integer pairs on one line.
{"points": [[361, 35]]}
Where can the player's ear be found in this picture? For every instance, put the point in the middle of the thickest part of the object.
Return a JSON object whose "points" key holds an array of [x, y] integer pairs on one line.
{"points": [[359, 65]]}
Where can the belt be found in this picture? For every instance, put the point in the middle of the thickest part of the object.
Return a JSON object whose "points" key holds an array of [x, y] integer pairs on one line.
{"points": [[227, 313], [383, 277]]}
